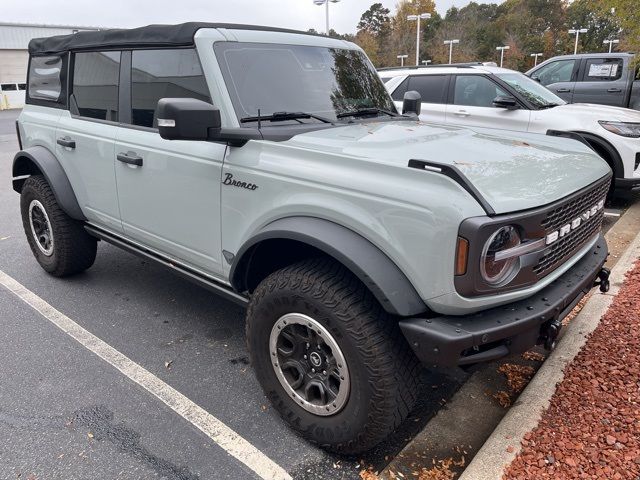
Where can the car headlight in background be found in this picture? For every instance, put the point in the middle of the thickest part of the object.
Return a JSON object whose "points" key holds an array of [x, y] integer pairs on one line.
{"points": [[496, 271], [624, 129]]}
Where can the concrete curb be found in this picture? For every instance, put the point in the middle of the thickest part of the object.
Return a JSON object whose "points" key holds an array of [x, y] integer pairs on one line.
{"points": [[494, 456]]}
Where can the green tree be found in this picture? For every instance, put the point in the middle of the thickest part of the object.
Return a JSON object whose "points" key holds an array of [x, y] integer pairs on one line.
{"points": [[376, 20]]}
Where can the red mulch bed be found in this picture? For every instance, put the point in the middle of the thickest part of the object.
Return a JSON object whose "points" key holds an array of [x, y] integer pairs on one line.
{"points": [[592, 427]]}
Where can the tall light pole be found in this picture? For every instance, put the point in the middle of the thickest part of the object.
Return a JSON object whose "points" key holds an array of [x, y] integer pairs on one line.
{"points": [[451, 43], [611, 42], [502, 49], [577, 32], [536, 55], [411, 18], [325, 2], [401, 58]]}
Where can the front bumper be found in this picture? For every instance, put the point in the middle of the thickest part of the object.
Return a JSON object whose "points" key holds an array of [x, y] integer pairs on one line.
{"points": [[500, 331], [627, 184]]}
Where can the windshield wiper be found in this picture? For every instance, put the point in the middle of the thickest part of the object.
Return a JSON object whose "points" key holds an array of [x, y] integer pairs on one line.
{"points": [[363, 112], [549, 105], [284, 116]]}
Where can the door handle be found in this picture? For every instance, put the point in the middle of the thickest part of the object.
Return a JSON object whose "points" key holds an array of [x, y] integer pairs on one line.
{"points": [[614, 90], [66, 142], [462, 113], [130, 158], [563, 90]]}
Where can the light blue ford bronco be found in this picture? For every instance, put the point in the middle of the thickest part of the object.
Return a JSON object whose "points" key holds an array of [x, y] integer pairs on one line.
{"points": [[272, 167]]}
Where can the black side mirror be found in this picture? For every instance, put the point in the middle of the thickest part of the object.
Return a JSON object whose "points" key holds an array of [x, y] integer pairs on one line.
{"points": [[186, 118], [505, 101], [412, 103], [536, 78]]}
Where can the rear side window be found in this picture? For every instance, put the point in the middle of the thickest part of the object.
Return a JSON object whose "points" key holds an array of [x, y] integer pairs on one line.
{"points": [[46, 79], [95, 85], [157, 74], [603, 69], [430, 87]]}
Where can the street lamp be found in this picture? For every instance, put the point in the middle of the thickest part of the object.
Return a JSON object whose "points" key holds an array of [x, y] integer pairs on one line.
{"points": [[611, 42], [451, 43], [426, 62], [577, 32], [502, 49], [325, 2], [536, 55], [401, 58], [411, 18]]}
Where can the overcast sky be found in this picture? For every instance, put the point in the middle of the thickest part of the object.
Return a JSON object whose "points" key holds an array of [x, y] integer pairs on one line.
{"points": [[297, 14]]}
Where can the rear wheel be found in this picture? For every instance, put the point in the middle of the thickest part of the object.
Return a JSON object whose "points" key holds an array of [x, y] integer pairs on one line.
{"points": [[332, 362], [59, 243]]}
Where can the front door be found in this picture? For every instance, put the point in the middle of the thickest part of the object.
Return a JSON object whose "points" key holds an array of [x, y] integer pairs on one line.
{"points": [[168, 191], [471, 104], [558, 76]]}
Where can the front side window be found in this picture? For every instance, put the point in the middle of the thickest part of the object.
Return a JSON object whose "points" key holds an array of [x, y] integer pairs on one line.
{"points": [[555, 72], [9, 87], [476, 91], [603, 69], [430, 87], [45, 78], [157, 74], [532, 91], [95, 85], [327, 82], [398, 93]]}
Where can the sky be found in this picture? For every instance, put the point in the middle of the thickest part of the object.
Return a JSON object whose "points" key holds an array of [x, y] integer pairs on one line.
{"points": [[296, 14]]}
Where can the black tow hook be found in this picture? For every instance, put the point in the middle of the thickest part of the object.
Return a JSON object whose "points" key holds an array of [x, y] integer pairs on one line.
{"points": [[603, 280], [551, 334]]}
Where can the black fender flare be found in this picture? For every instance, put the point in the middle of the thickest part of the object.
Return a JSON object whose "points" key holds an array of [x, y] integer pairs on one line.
{"points": [[37, 159], [616, 161], [366, 261]]}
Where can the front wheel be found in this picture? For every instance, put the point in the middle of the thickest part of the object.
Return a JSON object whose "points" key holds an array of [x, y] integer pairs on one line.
{"points": [[332, 362]]}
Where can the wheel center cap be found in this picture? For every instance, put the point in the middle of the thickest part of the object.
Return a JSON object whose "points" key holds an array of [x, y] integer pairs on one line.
{"points": [[315, 359]]}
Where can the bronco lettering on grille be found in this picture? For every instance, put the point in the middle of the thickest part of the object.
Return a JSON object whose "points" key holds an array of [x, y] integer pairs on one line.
{"points": [[575, 223]]}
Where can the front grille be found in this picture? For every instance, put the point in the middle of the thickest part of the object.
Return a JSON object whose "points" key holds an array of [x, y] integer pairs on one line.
{"points": [[565, 247]]}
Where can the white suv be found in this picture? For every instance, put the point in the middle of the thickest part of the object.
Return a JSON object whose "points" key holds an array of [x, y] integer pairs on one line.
{"points": [[483, 96]]}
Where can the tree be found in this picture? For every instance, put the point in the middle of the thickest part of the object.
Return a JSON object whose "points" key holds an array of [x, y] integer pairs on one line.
{"points": [[375, 20]]}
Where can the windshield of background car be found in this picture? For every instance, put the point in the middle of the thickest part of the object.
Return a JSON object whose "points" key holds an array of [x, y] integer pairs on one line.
{"points": [[536, 94], [296, 78]]}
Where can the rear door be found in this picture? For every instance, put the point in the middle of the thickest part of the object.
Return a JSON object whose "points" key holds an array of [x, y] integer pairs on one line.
{"points": [[601, 81], [559, 76], [86, 133], [433, 90], [471, 104], [170, 199]]}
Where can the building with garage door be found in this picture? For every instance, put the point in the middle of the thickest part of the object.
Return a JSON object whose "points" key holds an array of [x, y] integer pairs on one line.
{"points": [[14, 56]]}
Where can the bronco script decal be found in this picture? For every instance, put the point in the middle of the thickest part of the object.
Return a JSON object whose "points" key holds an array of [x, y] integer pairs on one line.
{"points": [[228, 180]]}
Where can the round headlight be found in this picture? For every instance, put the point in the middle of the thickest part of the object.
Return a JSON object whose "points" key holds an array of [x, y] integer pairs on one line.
{"points": [[497, 272]]}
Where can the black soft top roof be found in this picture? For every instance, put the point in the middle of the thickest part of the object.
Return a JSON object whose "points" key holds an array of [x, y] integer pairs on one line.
{"points": [[149, 36]]}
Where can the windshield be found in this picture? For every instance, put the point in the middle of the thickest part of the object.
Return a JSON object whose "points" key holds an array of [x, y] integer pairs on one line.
{"points": [[273, 78], [531, 90]]}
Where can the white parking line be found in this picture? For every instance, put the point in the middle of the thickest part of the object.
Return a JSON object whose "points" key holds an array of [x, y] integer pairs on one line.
{"points": [[222, 435]]}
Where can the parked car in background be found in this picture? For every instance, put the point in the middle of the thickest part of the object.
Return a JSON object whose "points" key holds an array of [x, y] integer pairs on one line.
{"points": [[482, 96], [604, 78]]}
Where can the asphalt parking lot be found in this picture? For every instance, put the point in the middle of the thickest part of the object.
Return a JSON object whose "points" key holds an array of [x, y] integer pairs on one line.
{"points": [[67, 413]]}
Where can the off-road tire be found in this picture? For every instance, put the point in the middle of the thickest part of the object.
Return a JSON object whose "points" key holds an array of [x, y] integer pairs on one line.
{"points": [[74, 250], [384, 372]]}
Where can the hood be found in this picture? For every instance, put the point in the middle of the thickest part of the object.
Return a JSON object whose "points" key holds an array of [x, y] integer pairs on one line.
{"points": [[513, 171], [598, 112]]}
